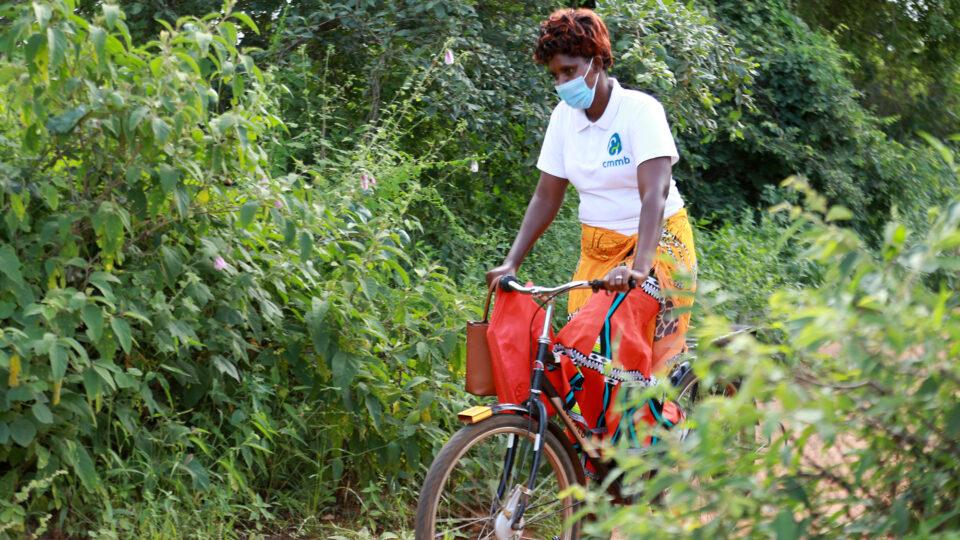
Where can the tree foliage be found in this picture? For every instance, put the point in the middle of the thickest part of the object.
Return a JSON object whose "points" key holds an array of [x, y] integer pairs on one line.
{"points": [[848, 427], [905, 56], [808, 121], [178, 325]]}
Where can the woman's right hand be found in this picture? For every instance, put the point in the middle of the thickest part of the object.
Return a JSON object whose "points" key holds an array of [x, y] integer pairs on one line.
{"points": [[505, 269]]}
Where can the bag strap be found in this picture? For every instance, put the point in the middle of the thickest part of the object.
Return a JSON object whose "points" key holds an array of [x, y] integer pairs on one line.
{"points": [[486, 305]]}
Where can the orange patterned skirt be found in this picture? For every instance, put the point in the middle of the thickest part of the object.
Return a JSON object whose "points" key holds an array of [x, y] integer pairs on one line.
{"points": [[675, 267]]}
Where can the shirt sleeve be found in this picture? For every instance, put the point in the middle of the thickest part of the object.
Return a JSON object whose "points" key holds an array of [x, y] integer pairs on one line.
{"points": [[651, 138], [551, 153]]}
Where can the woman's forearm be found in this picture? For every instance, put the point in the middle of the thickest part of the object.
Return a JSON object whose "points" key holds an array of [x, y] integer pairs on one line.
{"points": [[648, 234], [653, 181]]}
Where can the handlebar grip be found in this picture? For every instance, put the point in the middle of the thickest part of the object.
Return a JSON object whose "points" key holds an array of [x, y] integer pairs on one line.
{"points": [[598, 284], [506, 283]]}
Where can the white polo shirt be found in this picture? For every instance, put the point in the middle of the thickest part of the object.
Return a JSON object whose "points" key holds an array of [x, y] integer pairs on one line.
{"points": [[600, 158]]}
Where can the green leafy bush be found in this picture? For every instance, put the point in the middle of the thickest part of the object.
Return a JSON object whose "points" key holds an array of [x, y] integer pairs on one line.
{"points": [[188, 340], [849, 427], [741, 263], [807, 120]]}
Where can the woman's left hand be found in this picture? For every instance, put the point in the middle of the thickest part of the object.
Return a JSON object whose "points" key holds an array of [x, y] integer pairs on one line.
{"points": [[618, 279]]}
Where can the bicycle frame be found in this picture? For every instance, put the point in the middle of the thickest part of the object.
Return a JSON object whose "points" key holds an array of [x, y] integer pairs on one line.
{"points": [[509, 510], [534, 406]]}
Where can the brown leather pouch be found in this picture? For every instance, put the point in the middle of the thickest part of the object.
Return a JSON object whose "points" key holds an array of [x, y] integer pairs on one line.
{"points": [[479, 369]]}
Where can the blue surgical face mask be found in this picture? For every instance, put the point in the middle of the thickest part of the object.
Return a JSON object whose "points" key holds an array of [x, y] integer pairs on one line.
{"points": [[576, 93]]}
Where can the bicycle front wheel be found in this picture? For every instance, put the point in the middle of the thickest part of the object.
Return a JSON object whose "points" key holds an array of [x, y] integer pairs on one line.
{"points": [[459, 497]]}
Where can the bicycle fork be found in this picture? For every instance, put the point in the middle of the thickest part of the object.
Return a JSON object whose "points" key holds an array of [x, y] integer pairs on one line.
{"points": [[509, 520]]}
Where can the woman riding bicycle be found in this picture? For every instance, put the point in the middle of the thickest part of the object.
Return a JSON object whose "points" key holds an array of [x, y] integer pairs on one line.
{"points": [[616, 147]]}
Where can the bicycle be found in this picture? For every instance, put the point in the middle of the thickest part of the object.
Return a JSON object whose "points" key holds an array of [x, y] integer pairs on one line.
{"points": [[507, 474]]}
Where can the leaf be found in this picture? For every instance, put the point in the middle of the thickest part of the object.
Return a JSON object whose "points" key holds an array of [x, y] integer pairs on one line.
{"points": [[426, 398], [189, 62], [136, 116], [953, 419], [314, 319], [786, 527], [43, 14], [101, 278], [168, 177], [4, 433], [59, 362], [375, 409], [56, 47], [942, 149], [171, 263], [226, 367], [226, 122], [121, 329], [839, 213], [99, 39], [111, 13], [161, 131], [344, 369], [203, 41], [247, 212], [306, 245], [50, 195], [92, 316], [181, 196], [19, 209], [336, 469], [91, 383], [22, 431], [85, 469], [414, 382], [245, 19], [42, 413], [201, 480], [112, 233]]}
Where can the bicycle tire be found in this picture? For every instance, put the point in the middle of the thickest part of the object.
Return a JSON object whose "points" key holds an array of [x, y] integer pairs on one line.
{"points": [[688, 390], [460, 488]]}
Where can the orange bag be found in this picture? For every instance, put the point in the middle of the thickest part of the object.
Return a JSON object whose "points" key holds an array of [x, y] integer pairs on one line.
{"points": [[515, 325], [593, 369]]}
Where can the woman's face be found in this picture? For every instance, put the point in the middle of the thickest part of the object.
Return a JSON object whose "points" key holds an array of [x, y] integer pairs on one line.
{"points": [[564, 68]]}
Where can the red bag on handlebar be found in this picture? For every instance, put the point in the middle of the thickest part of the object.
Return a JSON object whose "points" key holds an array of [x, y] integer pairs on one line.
{"points": [[515, 325]]}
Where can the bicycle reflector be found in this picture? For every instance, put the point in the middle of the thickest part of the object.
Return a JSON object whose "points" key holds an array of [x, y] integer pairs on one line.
{"points": [[475, 414]]}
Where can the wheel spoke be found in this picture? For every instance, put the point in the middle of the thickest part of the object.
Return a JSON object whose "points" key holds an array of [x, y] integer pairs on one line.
{"points": [[543, 516], [470, 467], [467, 523]]}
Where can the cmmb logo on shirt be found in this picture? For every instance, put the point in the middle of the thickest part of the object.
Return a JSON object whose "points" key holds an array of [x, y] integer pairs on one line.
{"points": [[614, 147]]}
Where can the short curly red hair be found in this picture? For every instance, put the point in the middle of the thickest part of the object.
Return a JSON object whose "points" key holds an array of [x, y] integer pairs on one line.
{"points": [[574, 32]]}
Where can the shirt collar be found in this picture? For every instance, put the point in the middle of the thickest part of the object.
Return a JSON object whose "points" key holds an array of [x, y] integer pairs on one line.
{"points": [[606, 119]]}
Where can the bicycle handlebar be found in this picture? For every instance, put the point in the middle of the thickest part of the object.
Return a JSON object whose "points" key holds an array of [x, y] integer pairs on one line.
{"points": [[510, 283]]}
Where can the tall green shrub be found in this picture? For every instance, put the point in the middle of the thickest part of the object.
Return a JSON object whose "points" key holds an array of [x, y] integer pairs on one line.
{"points": [[807, 121], [188, 337], [850, 427]]}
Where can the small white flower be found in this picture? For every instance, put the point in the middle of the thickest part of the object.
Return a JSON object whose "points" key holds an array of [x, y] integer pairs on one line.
{"points": [[448, 58], [474, 166]]}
